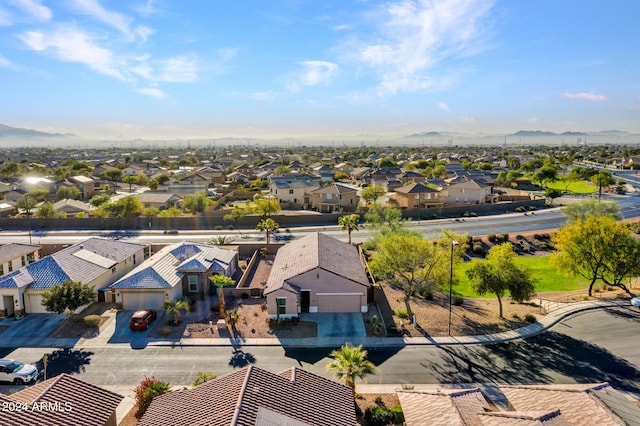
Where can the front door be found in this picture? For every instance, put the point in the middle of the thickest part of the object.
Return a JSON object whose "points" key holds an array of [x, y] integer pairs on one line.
{"points": [[8, 304], [305, 300]]}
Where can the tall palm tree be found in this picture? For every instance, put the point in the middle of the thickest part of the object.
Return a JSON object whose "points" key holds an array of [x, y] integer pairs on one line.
{"points": [[173, 307], [350, 364], [221, 281], [268, 225], [349, 223]]}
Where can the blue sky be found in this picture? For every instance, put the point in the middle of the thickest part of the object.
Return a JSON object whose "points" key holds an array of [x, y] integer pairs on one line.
{"points": [[295, 68]]}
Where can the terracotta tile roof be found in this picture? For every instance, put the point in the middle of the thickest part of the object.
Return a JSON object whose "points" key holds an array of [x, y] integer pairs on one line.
{"points": [[523, 418], [443, 407], [64, 400], [334, 188], [577, 403], [243, 396], [415, 188], [313, 251]]}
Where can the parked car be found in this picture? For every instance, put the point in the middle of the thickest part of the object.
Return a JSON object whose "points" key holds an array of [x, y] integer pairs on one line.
{"points": [[16, 372], [140, 320], [636, 301]]}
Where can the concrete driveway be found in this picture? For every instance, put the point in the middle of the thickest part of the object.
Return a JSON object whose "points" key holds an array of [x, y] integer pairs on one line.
{"points": [[32, 325], [337, 324], [122, 334]]}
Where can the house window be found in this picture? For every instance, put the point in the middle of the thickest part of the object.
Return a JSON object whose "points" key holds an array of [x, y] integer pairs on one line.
{"points": [[291, 191], [1, 269], [134, 259], [281, 303], [23, 259], [428, 196], [113, 270], [328, 196], [10, 266], [193, 283]]}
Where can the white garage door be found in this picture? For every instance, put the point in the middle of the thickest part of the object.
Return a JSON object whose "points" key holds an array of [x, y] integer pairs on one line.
{"points": [[339, 302], [142, 300], [34, 304]]}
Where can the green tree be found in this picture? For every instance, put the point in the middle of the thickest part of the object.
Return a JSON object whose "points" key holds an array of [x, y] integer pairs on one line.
{"points": [[349, 223], [46, 210], [196, 203], [569, 178], [221, 281], [545, 174], [131, 180], [68, 192], [30, 199], [268, 226], [10, 170], [350, 363], [265, 206], [152, 184], [498, 274], [281, 169], [591, 207], [99, 199], [173, 307], [203, 377], [387, 162], [384, 218], [149, 388], [124, 207], [598, 248], [603, 178], [371, 193], [150, 212], [170, 212], [67, 297], [236, 214], [113, 174]]}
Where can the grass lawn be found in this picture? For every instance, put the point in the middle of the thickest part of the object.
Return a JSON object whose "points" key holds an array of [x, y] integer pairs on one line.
{"points": [[579, 187], [546, 276]]}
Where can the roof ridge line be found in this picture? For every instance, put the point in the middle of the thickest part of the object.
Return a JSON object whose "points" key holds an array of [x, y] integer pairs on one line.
{"points": [[243, 389]]}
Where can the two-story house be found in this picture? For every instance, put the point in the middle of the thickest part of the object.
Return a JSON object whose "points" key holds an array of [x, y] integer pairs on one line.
{"points": [[293, 189], [335, 197], [417, 195]]}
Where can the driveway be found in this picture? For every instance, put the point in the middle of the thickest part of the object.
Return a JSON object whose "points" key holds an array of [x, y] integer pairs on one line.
{"points": [[334, 324], [32, 325], [122, 334]]}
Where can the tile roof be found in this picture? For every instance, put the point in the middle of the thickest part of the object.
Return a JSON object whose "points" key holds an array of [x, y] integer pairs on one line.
{"points": [[15, 250], [69, 205], [335, 189], [415, 188], [165, 268], [523, 418], [76, 402], [316, 251], [157, 197], [443, 407], [577, 403], [241, 397]]}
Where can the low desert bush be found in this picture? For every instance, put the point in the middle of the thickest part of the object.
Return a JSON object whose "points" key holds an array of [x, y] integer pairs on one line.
{"points": [[530, 318], [378, 416], [402, 313], [92, 320]]}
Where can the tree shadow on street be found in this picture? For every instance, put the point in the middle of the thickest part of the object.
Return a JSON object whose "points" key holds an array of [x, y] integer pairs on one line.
{"points": [[240, 358], [68, 361], [548, 358]]}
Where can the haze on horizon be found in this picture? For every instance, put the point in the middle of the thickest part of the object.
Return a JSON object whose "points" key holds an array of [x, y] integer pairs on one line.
{"points": [[282, 69]]}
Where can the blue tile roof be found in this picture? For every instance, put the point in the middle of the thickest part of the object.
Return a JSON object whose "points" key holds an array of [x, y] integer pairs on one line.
{"points": [[46, 273], [146, 278], [8, 280], [185, 251], [216, 265], [192, 265]]}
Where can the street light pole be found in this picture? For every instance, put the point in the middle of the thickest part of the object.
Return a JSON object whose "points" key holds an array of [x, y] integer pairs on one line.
{"points": [[453, 243]]}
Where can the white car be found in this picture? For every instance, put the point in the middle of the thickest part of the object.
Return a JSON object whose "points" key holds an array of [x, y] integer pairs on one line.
{"points": [[636, 301], [16, 372]]}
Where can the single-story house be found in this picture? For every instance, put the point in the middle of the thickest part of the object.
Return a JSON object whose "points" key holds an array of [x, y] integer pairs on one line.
{"points": [[97, 262], [14, 256], [175, 271], [72, 207], [159, 200], [253, 396], [316, 273], [333, 198], [61, 400], [7, 209]]}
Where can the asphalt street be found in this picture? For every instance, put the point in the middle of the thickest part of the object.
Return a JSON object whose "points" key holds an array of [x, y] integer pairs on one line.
{"points": [[589, 347]]}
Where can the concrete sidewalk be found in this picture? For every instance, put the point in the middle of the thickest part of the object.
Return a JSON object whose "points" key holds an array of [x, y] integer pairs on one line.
{"points": [[559, 312]]}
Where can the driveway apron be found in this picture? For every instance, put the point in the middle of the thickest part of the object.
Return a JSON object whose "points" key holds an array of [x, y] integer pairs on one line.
{"points": [[338, 324]]}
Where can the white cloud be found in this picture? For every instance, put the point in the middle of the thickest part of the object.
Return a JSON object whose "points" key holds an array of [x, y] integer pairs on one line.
{"points": [[532, 120], [147, 9], [179, 69], [154, 92], [416, 35], [110, 18], [34, 8], [593, 97], [5, 63], [72, 45], [314, 73], [443, 106]]}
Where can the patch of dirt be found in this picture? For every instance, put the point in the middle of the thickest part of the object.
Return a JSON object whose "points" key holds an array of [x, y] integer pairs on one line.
{"points": [[71, 328], [130, 419], [368, 399]]}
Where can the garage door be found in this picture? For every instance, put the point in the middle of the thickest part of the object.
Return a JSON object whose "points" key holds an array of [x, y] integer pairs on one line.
{"points": [[144, 300], [34, 304], [339, 302]]}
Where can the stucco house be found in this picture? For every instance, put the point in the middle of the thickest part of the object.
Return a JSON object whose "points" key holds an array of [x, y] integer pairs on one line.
{"points": [[86, 185], [333, 198], [97, 262], [294, 188], [316, 273], [417, 195], [177, 270], [468, 192], [14, 256], [72, 207], [159, 200]]}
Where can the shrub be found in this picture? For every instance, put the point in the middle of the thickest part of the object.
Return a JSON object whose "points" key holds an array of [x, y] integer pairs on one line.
{"points": [[149, 388], [458, 301], [491, 238], [504, 237], [521, 237], [165, 331], [532, 208], [218, 228], [232, 317], [478, 247], [378, 399], [378, 416], [402, 313], [472, 214], [92, 320], [530, 318], [408, 387], [520, 209], [398, 415]]}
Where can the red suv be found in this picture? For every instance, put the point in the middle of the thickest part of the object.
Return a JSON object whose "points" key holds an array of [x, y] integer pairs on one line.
{"points": [[140, 320]]}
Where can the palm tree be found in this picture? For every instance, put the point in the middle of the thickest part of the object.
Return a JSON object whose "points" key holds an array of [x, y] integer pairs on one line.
{"points": [[349, 223], [350, 364], [173, 308], [221, 281], [268, 225]]}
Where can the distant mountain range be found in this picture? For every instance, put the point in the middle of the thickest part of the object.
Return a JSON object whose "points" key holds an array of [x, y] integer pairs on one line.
{"points": [[8, 131], [522, 133]]}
